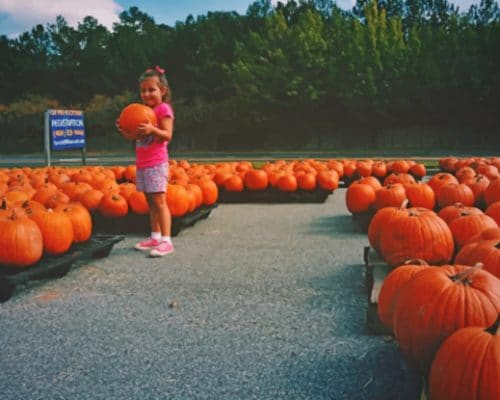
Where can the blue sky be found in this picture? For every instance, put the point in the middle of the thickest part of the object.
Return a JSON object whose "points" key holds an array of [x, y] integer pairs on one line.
{"points": [[18, 16]]}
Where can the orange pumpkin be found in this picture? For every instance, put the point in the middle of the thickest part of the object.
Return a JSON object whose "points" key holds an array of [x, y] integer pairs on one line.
{"points": [[177, 200], [57, 231], [467, 365], [80, 219], [132, 116], [256, 179], [22, 242]]}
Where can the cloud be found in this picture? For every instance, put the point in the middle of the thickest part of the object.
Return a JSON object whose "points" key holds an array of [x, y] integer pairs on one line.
{"points": [[25, 14]]}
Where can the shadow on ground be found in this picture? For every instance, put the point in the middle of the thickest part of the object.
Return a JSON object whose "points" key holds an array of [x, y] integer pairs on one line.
{"points": [[335, 224]]}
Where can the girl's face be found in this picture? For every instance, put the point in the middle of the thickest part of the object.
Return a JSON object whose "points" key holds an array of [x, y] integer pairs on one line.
{"points": [[151, 91]]}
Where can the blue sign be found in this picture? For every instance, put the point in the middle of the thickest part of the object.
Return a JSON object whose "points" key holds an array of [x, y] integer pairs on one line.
{"points": [[67, 130]]}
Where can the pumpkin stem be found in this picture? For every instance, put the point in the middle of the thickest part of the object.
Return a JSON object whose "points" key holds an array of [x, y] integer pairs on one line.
{"points": [[418, 261], [465, 277], [404, 204], [3, 206], [495, 328]]}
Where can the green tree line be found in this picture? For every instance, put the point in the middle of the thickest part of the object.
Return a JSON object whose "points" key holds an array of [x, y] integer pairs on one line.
{"points": [[272, 78]]}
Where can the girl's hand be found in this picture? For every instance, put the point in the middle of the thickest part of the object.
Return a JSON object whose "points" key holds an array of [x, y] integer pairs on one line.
{"points": [[146, 128]]}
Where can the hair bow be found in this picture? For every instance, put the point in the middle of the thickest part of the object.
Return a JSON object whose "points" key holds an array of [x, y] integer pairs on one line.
{"points": [[161, 71]]}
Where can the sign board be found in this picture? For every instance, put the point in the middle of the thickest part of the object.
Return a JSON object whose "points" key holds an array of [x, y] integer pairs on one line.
{"points": [[64, 130]]}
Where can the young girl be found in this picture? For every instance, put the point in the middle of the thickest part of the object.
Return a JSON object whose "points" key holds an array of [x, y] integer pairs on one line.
{"points": [[152, 160]]}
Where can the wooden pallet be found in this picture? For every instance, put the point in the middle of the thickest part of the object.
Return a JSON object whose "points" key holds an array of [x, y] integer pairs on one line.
{"points": [[139, 223], [274, 195], [97, 246], [376, 269]]}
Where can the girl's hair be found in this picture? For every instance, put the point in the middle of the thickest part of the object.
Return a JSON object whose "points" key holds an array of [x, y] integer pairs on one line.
{"points": [[162, 79]]}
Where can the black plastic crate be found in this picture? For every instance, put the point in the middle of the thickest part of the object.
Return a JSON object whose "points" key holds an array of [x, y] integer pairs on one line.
{"points": [[97, 246], [139, 223]]}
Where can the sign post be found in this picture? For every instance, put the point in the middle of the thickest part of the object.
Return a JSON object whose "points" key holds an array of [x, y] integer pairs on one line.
{"points": [[64, 129]]}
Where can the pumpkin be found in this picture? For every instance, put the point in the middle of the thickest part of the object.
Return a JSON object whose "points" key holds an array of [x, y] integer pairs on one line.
{"points": [[418, 170], [397, 177], [451, 212], [493, 211], [381, 219], [359, 197], [440, 179], [468, 225], [209, 191], [80, 219], [256, 179], [328, 179], [91, 199], [390, 287], [416, 233], [198, 194], [113, 205], [307, 181], [389, 196], [234, 184], [492, 192], [138, 202], [467, 365], [21, 239], [420, 195], [287, 183], [177, 200], [455, 193], [132, 116], [478, 185], [436, 302], [486, 252], [57, 231]]}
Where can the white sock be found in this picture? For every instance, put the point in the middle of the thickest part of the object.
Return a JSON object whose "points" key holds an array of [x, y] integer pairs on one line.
{"points": [[166, 239], [156, 235]]}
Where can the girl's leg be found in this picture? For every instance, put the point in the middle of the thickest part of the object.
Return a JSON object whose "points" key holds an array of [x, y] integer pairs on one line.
{"points": [[154, 216], [165, 224], [163, 217]]}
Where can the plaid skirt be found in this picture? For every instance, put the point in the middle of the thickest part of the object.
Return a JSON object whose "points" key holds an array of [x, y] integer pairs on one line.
{"points": [[152, 179]]}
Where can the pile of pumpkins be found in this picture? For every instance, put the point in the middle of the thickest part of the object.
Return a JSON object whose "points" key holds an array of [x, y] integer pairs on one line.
{"points": [[441, 299]]}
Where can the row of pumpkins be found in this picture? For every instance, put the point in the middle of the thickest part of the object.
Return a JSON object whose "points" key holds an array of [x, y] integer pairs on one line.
{"points": [[442, 296], [46, 210]]}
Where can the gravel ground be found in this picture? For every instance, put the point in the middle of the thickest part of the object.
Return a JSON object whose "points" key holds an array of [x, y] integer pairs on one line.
{"points": [[259, 301]]}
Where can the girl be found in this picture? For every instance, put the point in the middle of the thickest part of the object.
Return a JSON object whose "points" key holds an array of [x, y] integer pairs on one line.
{"points": [[152, 160]]}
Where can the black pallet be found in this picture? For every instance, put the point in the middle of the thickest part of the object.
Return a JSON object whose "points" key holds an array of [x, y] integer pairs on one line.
{"points": [[274, 195], [97, 246], [139, 223]]}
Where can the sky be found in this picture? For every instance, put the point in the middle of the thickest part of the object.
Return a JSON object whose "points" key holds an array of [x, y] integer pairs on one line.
{"points": [[18, 16]]}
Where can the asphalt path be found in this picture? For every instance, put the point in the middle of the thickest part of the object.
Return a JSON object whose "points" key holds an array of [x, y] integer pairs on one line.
{"points": [[259, 301]]}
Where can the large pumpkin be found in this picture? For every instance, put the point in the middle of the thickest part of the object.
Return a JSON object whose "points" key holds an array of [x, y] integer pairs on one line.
{"points": [[436, 302], [132, 116], [177, 200], [390, 289], [359, 197], [81, 220], [21, 241], [416, 233], [486, 252], [57, 231], [467, 366]]}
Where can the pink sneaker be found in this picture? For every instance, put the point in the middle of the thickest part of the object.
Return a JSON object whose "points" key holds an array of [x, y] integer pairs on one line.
{"points": [[147, 244], [162, 249]]}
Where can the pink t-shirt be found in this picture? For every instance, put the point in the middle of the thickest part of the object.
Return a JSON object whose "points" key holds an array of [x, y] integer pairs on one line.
{"points": [[153, 151]]}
